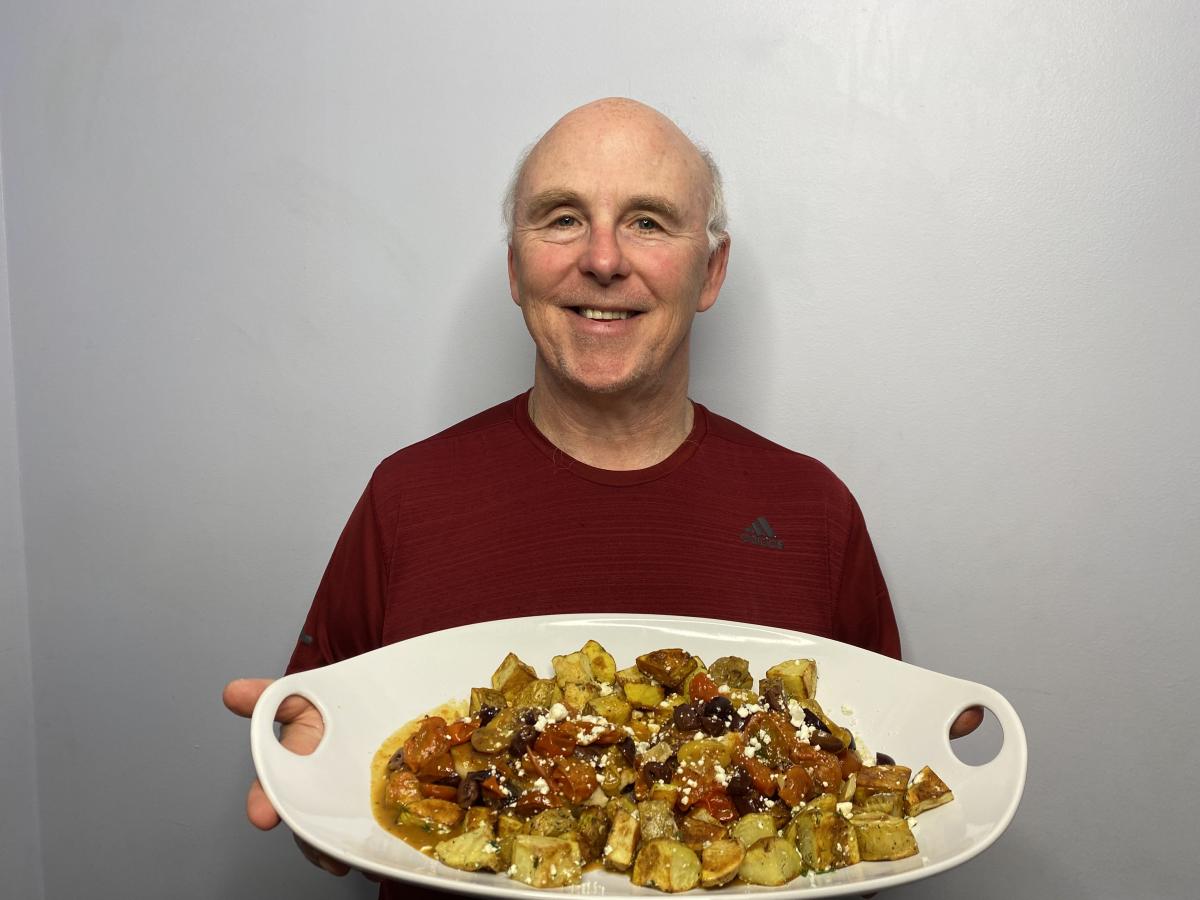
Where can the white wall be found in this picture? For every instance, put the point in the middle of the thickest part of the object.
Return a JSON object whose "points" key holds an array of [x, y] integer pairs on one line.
{"points": [[253, 248], [20, 845]]}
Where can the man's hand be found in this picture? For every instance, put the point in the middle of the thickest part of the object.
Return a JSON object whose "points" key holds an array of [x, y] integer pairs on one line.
{"points": [[968, 720], [301, 730]]}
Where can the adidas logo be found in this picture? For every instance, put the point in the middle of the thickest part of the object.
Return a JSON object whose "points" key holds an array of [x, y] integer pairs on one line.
{"points": [[761, 533]]}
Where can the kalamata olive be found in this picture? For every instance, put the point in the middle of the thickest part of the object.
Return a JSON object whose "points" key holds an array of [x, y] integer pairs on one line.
{"points": [[487, 713], [658, 771], [628, 750], [520, 742], [739, 784], [529, 716], [713, 726], [396, 763], [812, 720], [738, 723], [686, 717], [721, 707], [626, 788], [773, 695], [827, 742], [468, 792], [882, 759], [750, 802]]}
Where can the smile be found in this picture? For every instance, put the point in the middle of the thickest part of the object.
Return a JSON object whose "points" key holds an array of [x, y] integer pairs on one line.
{"points": [[604, 313]]}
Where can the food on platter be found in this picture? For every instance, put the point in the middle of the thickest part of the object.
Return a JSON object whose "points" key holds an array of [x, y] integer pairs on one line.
{"points": [[679, 773]]}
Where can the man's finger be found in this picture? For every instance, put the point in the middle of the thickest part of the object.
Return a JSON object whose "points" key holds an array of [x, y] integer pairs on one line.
{"points": [[241, 694], [319, 859], [259, 810], [968, 720]]}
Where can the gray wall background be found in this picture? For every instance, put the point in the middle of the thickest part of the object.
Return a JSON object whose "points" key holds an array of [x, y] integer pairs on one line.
{"points": [[253, 248]]}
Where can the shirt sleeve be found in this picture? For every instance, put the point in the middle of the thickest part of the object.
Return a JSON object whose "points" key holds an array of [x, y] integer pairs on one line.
{"points": [[862, 611], [346, 617]]}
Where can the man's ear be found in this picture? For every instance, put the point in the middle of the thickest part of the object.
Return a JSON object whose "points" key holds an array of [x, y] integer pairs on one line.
{"points": [[714, 276], [512, 276]]}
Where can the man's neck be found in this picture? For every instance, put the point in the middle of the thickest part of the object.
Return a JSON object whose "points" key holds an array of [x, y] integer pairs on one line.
{"points": [[610, 431]]}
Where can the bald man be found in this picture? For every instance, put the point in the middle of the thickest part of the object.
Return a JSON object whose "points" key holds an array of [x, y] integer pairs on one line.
{"points": [[604, 487]]}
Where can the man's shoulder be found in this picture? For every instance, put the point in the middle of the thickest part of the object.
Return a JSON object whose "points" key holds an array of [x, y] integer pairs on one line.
{"points": [[737, 442]]}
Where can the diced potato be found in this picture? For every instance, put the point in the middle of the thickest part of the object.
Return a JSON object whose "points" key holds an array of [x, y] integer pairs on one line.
{"points": [[552, 822], [799, 677], [657, 820], [546, 862], [732, 671], [480, 817], [508, 826], [645, 695], [632, 675], [888, 802], [576, 697], [699, 828], [882, 836], [592, 830], [623, 838], [432, 815], [470, 851], [666, 864], [612, 707], [667, 793], [824, 838], [926, 792], [667, 667], [719, 862], [512, 676], [574, 668], [541, 693], [771, 861], [877, 779], [604, 667], [751, 827], [481, 697]]}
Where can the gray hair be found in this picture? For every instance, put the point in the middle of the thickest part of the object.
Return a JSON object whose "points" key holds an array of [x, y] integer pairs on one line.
{"points": [[718, 217]]}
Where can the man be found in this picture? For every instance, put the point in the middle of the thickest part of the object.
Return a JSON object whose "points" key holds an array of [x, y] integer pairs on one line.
{"points": [[604, 488]]}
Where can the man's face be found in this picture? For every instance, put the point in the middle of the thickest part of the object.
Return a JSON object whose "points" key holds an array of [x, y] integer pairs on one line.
{"points": [[609, 260]]}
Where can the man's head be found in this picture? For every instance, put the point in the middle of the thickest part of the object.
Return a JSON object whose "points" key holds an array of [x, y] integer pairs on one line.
{"points": [[616, 241]]}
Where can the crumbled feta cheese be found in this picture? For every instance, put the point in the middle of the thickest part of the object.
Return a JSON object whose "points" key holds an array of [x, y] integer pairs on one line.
{"points": [[558, 712], [846, 809]]}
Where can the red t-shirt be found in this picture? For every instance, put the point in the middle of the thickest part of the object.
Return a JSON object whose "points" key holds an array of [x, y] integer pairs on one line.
{"points": [[489, 520]]}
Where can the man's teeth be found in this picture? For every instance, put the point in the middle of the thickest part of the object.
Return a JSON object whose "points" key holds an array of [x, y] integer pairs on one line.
{"points": [[604, 313]]}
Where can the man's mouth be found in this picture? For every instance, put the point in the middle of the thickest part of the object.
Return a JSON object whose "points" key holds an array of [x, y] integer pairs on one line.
{"points": [[604, 314]]}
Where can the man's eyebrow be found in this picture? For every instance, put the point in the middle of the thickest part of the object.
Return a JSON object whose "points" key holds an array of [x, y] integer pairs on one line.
{"points": [[660, 206], [544, 201]]}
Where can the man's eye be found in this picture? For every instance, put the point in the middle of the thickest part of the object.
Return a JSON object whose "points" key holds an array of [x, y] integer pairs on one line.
{"points": [[565, 221], [645, 223]]}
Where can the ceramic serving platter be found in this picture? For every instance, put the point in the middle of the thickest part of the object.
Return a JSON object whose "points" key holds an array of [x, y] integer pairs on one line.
{"points": [[891, 706]]}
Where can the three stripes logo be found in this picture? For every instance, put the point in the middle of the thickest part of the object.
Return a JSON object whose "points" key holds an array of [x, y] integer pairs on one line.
{"points": [[761, 533]]}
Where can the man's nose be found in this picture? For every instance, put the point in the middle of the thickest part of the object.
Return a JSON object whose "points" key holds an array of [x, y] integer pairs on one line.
{"points": [[602, 257]]}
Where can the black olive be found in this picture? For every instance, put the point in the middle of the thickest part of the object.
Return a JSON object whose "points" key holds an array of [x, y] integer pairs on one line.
{"points": [[396, 763], [685, 717], [812, 720], [739, 784], [827, 742], [468, 792], [487, 713], [480, 775], [750, 802], [882, 759], [627, 788], [520, 742], [658, 771], [452, 779], [529, 716], [721, 707], [713, 726], [773, 696], [738, 723], [628, 750]]}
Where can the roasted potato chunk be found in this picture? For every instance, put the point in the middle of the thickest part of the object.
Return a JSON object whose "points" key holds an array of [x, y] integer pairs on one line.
{"points": [[877, 779], [799, 677], [546, 862], [657, 820], [489, 697], [926, 792], [432, 815], [888, 802], [667, 667], [732, 671], [720, 861], [823, 836], [645, 695], [751, 828], [604, 667], [592, 831], [771, 861], [613, 707], [540, 693], [623, 838], [882, 836], [699, 829], [666, 864], [574, 668], [512, 676], [470, 851]]}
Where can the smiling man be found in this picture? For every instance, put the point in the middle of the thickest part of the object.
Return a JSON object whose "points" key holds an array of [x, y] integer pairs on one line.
{"points": [[604, 487]]}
